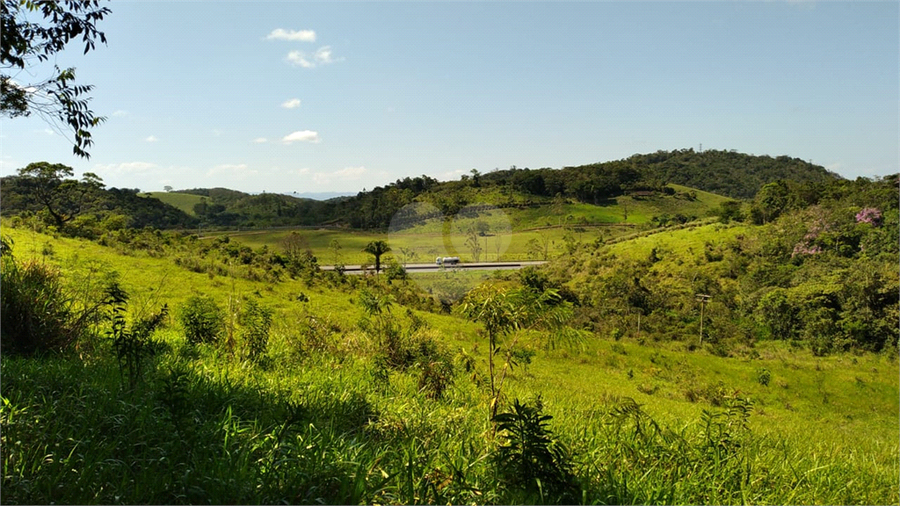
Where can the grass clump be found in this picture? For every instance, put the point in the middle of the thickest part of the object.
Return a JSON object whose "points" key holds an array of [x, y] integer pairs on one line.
{"points": [[38, 314], [202, 319]]}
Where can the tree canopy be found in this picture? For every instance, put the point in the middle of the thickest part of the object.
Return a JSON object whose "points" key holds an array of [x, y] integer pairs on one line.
{"points": [[26, 42]]}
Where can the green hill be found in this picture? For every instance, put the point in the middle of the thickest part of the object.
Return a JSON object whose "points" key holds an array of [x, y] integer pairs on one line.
{"points": [[184, 201], [594, 190], [86, 208], [798, 278], [729, 173]]}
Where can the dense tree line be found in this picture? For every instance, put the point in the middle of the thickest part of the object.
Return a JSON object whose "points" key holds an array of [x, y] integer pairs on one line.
{"points": [[728, 173]]}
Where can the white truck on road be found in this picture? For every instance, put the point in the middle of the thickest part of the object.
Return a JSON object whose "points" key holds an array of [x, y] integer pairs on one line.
{"points": [[446, 260]]}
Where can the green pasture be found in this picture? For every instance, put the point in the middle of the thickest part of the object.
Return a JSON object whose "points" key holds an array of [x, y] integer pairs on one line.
{"points": [[827, 426], [182, 201], [509, 234]]}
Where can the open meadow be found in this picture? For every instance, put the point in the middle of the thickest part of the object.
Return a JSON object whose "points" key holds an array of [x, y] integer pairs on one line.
{"points": [[324, 417]]}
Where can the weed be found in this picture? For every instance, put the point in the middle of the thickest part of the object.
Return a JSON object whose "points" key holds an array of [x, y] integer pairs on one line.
{"points": [[132, 345], [37, 313]]}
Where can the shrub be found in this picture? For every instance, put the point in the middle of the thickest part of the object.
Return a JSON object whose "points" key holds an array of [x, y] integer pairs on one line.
{"points": [[36, 313], [763, 376], [202, 319], [530, 458], [395, 271], [256, 322], [132, 345]]}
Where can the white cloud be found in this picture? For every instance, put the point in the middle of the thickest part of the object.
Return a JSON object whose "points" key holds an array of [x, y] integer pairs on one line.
{"points": [[301, 136], [294, 35], [125, 168], [291, 104], [322, 56], [453, 174], [298, 59], [152, 138], [260, 140], [120, 113]]}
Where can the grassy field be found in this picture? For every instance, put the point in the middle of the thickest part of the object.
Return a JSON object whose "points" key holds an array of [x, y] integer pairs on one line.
{"points": [[320, 421], [182, 201]]}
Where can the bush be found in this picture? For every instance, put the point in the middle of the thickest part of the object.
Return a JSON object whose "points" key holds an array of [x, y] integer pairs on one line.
{"points": [[395, 271], [36, 313], [256, 322], [202, 319], [530, 458], [763, 376]]}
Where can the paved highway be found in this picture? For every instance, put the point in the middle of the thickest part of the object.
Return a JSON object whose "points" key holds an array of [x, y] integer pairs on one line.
{"points": [[414, 268]]}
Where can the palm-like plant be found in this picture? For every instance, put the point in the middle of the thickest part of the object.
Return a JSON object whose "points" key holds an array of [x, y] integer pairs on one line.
{"points": [[511, 313], [376, 249]]}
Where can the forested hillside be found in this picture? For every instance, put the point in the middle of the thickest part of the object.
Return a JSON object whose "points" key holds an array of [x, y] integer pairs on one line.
{"points": [[727, 173], [48, 190], [820, 269]]}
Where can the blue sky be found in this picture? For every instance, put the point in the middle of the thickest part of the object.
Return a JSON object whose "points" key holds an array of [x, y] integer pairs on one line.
{"points": [[316, 97]]}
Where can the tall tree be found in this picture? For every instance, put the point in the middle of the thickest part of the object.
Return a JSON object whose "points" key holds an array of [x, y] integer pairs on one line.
{"points": [[62, 198], [57, 99], [376, 249]]}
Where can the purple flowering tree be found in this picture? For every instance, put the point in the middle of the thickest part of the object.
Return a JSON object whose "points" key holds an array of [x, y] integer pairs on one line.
{"points": [[869, 215]]}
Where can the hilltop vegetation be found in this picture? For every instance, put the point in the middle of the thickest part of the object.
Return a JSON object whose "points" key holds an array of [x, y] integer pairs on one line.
{"points": [[48, 192], [601, 184], [822, 272], [729, 173]]}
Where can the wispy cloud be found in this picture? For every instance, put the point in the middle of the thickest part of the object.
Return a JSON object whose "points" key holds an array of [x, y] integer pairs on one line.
{"points": [[298, 59], [293, 35], [350, 173], [125, 168], [260, 140], [301, 136], [291, 104], [453, 174], [151, 138], [120, 113], [345, 174], [323, 56]]}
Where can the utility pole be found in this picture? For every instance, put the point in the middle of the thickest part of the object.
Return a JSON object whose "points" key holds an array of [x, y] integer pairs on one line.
{"points": [[704, 299]]}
